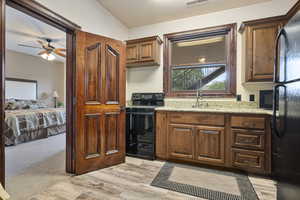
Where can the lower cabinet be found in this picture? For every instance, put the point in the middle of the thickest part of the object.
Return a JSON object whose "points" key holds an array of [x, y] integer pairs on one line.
{"points": [[240, 141], [210, 144], [181, 141]]}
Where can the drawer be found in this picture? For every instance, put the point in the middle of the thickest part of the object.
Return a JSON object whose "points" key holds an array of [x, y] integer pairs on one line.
{"points": [[196, 118], [248, 139], [250, 160], [248, 122]]}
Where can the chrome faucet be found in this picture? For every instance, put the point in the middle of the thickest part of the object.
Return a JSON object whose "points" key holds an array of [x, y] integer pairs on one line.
{"points": [[198, 99]]}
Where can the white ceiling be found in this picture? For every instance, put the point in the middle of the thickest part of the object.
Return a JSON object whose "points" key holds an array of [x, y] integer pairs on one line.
{"points": [[24, 29], [135, 13]]}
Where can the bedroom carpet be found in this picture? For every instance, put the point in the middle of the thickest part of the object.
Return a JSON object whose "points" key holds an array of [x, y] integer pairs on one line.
{"points": [[35, 166], [18, 158]]}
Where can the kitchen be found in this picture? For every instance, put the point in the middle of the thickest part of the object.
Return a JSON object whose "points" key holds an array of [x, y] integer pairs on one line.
{"points": [[218, 109], [171, 99]]}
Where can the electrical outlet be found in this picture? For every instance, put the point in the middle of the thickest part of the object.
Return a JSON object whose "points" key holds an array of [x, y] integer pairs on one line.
{"points": [[251, 97]]}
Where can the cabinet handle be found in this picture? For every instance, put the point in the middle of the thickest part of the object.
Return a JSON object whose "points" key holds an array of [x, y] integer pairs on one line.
{"points": [[209, 132], [183, 129]]}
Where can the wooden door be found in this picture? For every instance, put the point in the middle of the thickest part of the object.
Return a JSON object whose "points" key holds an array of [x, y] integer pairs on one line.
{"points": [[181, 141], [100, 102], [132, 52], [261, 51], [210, 144], [147, 51]]}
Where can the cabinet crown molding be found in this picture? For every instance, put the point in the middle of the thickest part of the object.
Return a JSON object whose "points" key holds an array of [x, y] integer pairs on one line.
{"points": [[261, 21], [145, 39]]}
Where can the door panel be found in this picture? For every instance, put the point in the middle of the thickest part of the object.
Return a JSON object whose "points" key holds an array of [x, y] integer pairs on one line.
{"points": [[210, 144], [100, 97], [93, 74], [112, 75], [112, 144], [92, 135], [181, 141]]}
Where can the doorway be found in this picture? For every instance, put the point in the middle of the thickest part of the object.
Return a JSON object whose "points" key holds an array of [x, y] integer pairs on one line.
{"points": [[35, 117], [95, 96], [37, 11]]}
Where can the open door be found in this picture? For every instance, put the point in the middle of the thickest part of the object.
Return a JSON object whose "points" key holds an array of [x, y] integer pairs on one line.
{"points": [[100, 102]]}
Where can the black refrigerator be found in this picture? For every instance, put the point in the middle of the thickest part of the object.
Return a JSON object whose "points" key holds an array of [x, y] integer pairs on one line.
{"points": [[286, 107]]}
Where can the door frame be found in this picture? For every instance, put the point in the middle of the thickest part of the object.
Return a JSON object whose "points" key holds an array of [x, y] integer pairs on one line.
{"points": [[37, 10]]}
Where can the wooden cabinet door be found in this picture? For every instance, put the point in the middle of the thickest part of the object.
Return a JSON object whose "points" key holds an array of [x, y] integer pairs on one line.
{"points": [[260, 56], [210, 144], [132, 53], [147, 51], [161, 135], [181, 141], [100, 98]]}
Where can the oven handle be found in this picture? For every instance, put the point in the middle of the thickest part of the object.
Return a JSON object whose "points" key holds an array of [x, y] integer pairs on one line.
{"points": [[142, 113], [130, 122]]}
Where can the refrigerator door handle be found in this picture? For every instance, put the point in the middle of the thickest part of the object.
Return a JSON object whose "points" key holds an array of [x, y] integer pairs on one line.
{"points": [[282, 32], [278, 133]]}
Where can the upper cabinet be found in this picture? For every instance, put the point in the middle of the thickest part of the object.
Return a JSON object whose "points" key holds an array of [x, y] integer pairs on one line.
{"points": [[143, 52], [259, 37]]}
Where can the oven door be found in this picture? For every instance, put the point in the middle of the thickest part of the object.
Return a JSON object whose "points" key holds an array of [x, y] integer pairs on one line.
{"points": [[143, 133]]}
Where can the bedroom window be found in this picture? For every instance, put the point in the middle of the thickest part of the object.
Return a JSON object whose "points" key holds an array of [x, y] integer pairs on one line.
{"points": [[201, 60]]}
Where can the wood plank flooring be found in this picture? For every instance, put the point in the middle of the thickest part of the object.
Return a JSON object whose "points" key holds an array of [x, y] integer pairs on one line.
{"points": [[131, 181]]}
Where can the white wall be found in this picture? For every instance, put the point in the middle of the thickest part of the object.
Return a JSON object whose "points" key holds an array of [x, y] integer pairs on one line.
{"points": [[90, 15], [50, 75], [151, 79]]}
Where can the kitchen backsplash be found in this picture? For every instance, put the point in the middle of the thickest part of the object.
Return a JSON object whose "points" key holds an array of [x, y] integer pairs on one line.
{"points": [[220, 103]]}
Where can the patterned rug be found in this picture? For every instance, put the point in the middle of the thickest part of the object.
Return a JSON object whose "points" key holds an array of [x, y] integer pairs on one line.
{"points": [[205, 183]]}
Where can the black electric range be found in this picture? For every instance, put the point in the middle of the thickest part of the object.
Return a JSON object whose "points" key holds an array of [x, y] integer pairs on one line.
{"points": [[140, 124]]}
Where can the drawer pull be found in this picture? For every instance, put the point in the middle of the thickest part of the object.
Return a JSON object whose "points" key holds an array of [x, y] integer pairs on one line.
{"points": [[183, 129], [209, 132], [249, 124], [248, 140]]}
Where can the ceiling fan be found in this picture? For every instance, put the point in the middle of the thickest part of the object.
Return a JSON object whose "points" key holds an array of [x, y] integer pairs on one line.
{"points": [[48, 50]]}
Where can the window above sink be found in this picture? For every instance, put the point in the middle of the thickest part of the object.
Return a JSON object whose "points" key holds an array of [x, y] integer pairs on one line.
{"points": [[201, 60]]}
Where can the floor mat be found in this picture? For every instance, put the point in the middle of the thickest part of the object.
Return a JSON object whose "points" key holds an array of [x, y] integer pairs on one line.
{"points": [[205, 183]]}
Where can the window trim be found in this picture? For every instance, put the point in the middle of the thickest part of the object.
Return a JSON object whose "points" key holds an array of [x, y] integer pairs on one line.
{"points": [[231, 32]]}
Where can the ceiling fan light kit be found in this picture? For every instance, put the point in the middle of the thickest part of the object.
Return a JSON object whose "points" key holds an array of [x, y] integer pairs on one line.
{"points": [[48, 50], [47, 56]]}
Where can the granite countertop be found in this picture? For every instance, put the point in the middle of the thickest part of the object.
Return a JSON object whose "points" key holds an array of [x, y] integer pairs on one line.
{"points": [[217, 110]]}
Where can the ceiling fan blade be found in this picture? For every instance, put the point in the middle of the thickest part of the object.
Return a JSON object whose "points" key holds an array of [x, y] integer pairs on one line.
{"points": [[42, 52], [24, 45], [56, 40], [41, 42], [59, 53], [24, 34]]}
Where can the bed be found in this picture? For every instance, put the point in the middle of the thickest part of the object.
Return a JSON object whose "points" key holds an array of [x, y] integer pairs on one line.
{"points": [[28, 125], [28, 120]]}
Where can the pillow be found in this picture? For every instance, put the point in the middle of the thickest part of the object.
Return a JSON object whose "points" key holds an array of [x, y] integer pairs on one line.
{"points": [[22, 104], [34, 106], [12, 106], [41, 104]]}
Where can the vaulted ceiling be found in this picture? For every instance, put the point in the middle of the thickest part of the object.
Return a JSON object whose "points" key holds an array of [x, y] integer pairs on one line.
{"points": [[24, 29], [143, 12]]}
